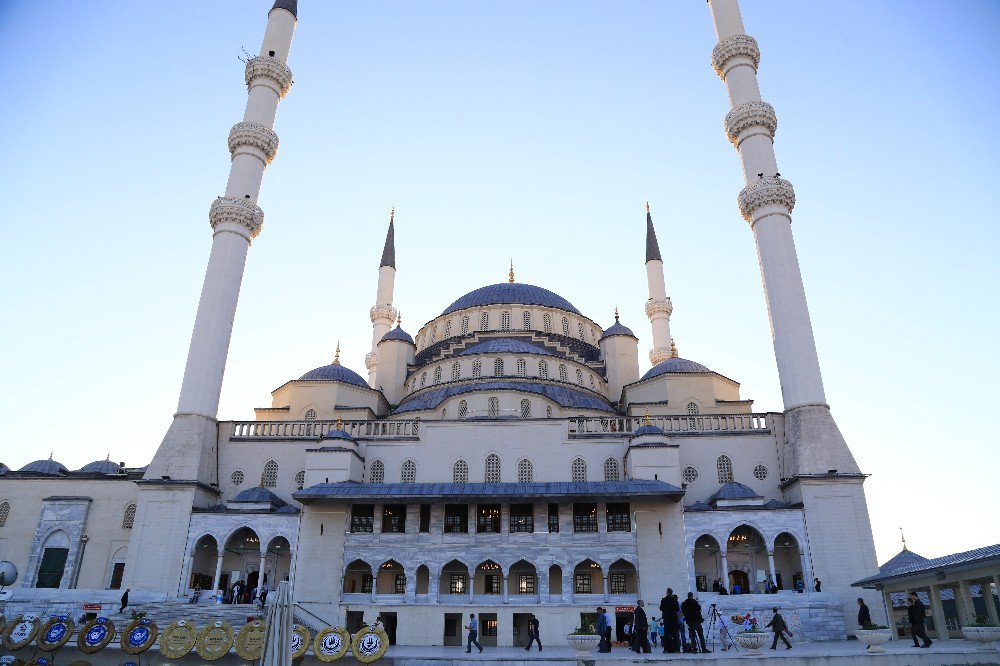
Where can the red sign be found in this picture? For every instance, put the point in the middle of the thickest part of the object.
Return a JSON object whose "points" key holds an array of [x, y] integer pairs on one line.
{"points": [[624, 609], [92, 607]]}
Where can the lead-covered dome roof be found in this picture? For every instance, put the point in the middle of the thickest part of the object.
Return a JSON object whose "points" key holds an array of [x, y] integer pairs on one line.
{"points": [[511, 292], [674, 366], [49, 466], [100, 467], [397, 334], [505, 346], [335, 372]]}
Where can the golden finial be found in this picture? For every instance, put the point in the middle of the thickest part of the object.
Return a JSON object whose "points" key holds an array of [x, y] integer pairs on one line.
{"points": [[511, 274], [903, 537], [262, 480], [399, 320], [392, 215], [673, 348], [336, 358], [340, 423], [647, 208], [616, 315], [648, 420]]}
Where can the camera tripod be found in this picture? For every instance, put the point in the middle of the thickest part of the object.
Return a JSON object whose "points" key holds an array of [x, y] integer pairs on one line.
{"points": [[715, 617]]}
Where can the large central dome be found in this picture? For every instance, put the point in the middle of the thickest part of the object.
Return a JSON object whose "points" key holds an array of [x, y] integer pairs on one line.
{"points": [[511, 292]]}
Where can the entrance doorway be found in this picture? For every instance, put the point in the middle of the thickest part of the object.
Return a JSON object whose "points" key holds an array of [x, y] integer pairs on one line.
{"points": [[354, 621], [452, 629], [389, 624], [488, 629], [521, 629], [739, 578], [623, 616]]}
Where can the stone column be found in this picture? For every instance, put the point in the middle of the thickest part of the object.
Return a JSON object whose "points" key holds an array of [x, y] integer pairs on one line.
{"points": [[770, 566], [472, 584], [567, 575], [725, 569], [218, 571], [970, 608], [542, 585], [807, 574], [991, 607], [263, 565], [410, 593], [503, 587], [937, 612], [607, 591], [890, 616], [374, 584]]}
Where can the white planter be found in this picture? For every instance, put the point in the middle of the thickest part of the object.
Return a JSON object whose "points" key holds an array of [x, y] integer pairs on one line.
{"points": [[874, 638], [752, 641], [584, 644], [982, 635]]}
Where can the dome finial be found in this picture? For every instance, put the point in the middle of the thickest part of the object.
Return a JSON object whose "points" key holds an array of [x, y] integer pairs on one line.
{"points": [[399, 320], [392, 215], [616, 315], [336, 357], [648, 420], [511, 274], [673, 348], [647, 207], [903, 537], [50, 454], [340, 423]]}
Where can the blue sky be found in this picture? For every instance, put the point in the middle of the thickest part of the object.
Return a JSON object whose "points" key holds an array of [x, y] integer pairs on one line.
{"points": [[516, 130]]}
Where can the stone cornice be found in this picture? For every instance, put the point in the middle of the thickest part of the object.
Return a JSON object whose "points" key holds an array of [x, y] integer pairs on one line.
{"points": [[749, 120], [763, 193], [269, 72], [239, 215], [654, 307], [253, 139], [735, 50]]}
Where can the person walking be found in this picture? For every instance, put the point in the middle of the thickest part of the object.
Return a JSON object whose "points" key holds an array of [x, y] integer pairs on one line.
{"points": [[693, 618], [533, 633], [640, 629], [654, 631], [263, 594], [669, 607], [864, 615], [817, 584], [124, 601], [473, 628], [779, 628], [602, 630], [917, 614]]}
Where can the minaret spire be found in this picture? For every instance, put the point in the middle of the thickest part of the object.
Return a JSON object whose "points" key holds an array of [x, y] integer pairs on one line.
{"points": [[658, 307], [389, 250], [382, 313]]}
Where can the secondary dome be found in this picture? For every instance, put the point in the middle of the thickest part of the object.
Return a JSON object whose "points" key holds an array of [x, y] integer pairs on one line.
{"points": [[335, 372], [397, 334], [674, 365], [505, 346], [511, 292], [49, 466], [100, 467]]}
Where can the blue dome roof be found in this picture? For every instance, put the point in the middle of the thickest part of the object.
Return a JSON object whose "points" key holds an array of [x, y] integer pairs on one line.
{"points": [[259, 494], [734, 491], [561, 395], [100, 467], [648, 430], [617, 329], [674, 366], [397, 334], [49, 466], [338, 434], [335, 372], [505, 346], [511, 292]]}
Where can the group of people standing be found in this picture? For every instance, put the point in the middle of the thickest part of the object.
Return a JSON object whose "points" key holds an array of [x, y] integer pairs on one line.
{"points": [[242, 595]]}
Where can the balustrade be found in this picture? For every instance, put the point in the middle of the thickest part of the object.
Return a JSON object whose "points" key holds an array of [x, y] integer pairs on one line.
{"points": [[624, 426], [360, 429]]}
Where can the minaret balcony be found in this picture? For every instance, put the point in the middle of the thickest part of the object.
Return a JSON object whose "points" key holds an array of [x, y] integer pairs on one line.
{"points": [[240, 215], [734, 51], [749, 120], [763, 193], [654, 307], [269, 72], [253, 139], [386, 312]]}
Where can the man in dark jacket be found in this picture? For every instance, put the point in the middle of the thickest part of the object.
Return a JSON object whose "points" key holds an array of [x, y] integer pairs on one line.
{"points": [[669, 607], [640, 630], [779, 628], [124, 601], [917, 614], [533, 635], [602, 630], [864, 615], [692, 617]]}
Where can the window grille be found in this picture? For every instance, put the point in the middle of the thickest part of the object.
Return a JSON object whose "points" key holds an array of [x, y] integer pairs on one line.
{"points": [[522, 518], [725, 467], [456, 371], [582, 583], [579, 377], [690, 474], [619, 517], [127, 520], [543, 369], [593, 335], [579, 470], [394, 518], [547, 322], [465, 325], [4, 513], [460, 472], [611, 472], [399, 585], [585, 517], [377, 473], [494, 408], [579, 329], [437, 375], [525, 409], [423, 379], [522, 367], [525, 471], [548, 411], [237, 478], [367, 581], [447, 329], [456, 584], [526, 584], [408, 472], [477, 369], [498, 367], [565, 326], [488, 519], [310, 415], [591, 381], [505, 321], [554, 518], [760, 472], [300, 479], [616, 582], [463, 409], [692, 408], [456, 520], [270, 476], [563, 376], [444, 413], [493, 468], [484, 321], [434, 334], [363, 520], [526, 321]]}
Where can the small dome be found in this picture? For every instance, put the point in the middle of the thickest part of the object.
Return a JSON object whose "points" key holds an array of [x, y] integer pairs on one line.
{"points": [[100, 467], [511, 292], [397, 334], [4, 469], [338, 434], [50, 467], [648, 430], [698, 506], [505, 346], [674, 366], [288, 508], [618, 328], [734, 491], [259, 494], [335, 372]]}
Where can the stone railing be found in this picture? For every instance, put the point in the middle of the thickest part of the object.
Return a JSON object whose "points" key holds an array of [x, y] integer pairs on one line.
{"points": [[401, 429], [623, 426]]}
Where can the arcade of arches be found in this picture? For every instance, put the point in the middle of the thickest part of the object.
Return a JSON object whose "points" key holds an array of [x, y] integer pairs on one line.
{"points": [[747, 562], [242, 558]]}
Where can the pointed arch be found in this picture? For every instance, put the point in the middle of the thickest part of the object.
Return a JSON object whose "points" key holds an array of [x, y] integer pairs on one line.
{"points": [[408, 471], [128, 519], [269, 479], [377, 472], [492, 468], [611, 471], [460, 472], [724, 465], [525, 471], [578, 470]]}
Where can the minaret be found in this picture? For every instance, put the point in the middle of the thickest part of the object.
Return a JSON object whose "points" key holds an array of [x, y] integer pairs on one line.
{"points": [[382, 313], [766, 203], [183, 472], [658, 307]]}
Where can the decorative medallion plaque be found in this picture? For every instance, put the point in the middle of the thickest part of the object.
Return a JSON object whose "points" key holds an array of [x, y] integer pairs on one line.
{"points": [[178, 639], [215, 640], [20, 632], [370, 644], [39, 661], [138, 636], [54, 633], [300, 641], [331, 644], [250, 640], [11, 660], [95, 635]]}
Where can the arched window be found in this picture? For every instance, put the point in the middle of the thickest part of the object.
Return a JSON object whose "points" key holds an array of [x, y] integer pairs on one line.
{"points": [[437, 375], [579, 329], [493, 409], [522, 367], [493, 468], [465, 325], [692, 408], [377, 472], [525, 471], [548, 411], [505, 321], [562, 372], [408, 472], [579, 470], [690, 474], [447, 329], [463, 409], [565, 325], [310, 415], [300, 479], [434, 334], [4, 513], [579, 376], [725, 467], [611, 472], [547, 322], [591, 381], [484, 321], [237, 478], [456, 371], [543, 369], [270, 477], [498, 367], [477, 369], [128, 520], [460, 472], [444, 413], [760, 472], [526, 321], [593, 335], [423, 379], [525, 409]]}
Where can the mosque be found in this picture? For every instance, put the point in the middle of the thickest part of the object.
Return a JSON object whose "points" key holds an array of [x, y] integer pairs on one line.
{"points": [[506, 458]]}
